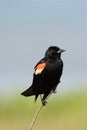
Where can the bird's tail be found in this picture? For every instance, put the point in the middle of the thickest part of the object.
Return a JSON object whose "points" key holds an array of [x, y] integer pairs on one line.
{"points": [[28, 92]]}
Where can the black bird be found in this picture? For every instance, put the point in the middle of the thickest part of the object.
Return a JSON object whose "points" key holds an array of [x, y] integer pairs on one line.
{"points": [[47, 74]]}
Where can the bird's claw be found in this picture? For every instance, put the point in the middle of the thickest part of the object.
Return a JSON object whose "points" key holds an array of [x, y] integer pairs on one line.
{"points": [[55, 91], [44, 103]]}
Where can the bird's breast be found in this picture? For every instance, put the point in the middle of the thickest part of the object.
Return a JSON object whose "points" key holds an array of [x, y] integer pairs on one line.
{"points": [[54, 70]]}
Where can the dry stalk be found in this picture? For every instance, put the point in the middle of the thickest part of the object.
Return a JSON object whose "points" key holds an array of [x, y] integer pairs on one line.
{"points": [[36, 115]]}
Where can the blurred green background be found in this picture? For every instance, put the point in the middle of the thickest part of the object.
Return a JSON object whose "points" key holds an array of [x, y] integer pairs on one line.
{"points": [[27, 29], [64, 112]]}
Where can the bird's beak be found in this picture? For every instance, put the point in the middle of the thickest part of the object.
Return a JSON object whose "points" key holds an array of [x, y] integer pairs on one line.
{"points": [[61, 50]]}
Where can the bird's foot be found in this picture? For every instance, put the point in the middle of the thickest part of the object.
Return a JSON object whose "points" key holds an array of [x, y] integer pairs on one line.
{"points": [[55, 91], [44, 103]]}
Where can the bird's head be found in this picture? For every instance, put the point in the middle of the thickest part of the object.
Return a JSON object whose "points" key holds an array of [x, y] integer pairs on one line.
{"points": [[53, 52]]}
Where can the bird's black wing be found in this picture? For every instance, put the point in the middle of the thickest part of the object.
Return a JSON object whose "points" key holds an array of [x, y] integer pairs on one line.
{"points": [[40, 66]]}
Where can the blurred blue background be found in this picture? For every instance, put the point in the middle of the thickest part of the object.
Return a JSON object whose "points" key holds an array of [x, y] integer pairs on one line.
{"points": [[28, 28]]}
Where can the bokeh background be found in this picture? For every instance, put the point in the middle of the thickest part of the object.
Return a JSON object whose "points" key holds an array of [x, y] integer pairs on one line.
{"points": [[27, 29]]}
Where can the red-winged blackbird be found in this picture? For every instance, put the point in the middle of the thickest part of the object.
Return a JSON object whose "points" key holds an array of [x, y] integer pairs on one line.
{"points": [[47, 74]]}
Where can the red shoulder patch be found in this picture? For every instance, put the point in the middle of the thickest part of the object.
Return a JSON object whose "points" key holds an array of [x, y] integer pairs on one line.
{"points": [[39, 68]]}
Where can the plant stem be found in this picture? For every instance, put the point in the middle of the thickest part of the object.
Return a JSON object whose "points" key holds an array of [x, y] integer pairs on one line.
{"points": [[36, 115]]}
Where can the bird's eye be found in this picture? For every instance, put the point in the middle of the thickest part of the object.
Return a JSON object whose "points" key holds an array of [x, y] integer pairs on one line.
{"points": [[53, 53]]}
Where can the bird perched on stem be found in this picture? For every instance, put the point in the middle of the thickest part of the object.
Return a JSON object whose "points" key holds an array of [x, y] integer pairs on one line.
{"points": [[47, 74]]}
